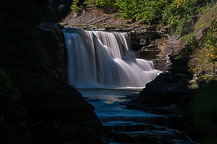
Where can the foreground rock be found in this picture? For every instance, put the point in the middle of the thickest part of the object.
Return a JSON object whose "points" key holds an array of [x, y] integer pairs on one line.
{"points": [[62, 116], [166, 89], [134, 126], [43, 108], [54, 117]]}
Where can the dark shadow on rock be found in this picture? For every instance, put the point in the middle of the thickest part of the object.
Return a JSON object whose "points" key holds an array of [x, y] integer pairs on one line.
{"points": [[57, 10], [36, 104]]}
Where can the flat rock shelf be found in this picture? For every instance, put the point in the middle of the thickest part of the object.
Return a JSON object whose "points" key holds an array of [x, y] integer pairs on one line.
{"points": [[130, 126]]}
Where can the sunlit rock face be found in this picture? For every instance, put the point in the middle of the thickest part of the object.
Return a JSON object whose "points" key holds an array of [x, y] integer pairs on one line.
{"points": [[105, 60]]}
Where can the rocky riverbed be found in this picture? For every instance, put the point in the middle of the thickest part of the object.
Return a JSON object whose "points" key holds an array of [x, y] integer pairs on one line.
{"points": [[133, 126]]}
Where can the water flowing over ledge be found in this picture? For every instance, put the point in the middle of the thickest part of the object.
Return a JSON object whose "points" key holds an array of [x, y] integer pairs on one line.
{"points": [[99, 59]]}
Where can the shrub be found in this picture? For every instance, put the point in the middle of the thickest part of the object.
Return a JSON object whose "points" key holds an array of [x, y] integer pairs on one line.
{"points": [[178, 15], [90, 3], [105, 3]]}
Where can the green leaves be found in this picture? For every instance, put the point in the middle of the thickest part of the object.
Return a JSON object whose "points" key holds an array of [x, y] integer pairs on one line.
{"points": [[75, 7], [177, 14], [143, 11], [105, 3], [204, 59]]}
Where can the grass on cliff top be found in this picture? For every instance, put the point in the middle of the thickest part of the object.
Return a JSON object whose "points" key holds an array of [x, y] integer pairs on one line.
{"points": [[203, 54], [207, 14], [199, 48]]}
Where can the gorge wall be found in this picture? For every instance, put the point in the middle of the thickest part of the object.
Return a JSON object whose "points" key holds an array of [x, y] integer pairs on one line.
{"points": [[155, 44], [37, 104]]}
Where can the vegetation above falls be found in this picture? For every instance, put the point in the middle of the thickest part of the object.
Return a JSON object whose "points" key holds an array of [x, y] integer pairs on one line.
{"points": [[184, 18], [177, 14]]}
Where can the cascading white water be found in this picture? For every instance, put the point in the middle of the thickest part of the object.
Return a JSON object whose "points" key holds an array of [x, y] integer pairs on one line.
{"points": [[104, 60]]}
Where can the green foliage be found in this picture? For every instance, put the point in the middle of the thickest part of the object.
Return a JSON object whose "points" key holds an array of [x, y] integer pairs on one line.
{"points": [[210, 42], [90, 3], [204, 58], [187, 37], [144, 11], [75, 7], [105, 4], [207, 14], [177, 14]]}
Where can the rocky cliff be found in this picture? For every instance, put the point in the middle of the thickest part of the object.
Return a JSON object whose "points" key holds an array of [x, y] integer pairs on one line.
{"points": [[37, 105], [43, 108]]}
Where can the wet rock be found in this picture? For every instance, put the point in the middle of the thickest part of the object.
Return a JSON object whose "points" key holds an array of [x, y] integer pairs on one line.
{"points": [[166, 89], [147, 133], [162, 64]]}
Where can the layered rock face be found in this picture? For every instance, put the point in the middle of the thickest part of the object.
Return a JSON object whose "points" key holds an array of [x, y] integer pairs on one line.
{"points": [[153, 43], [170, 90]]}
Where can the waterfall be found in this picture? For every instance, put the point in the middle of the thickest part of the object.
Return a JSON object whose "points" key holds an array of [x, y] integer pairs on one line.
{"points": [[99, 59]]}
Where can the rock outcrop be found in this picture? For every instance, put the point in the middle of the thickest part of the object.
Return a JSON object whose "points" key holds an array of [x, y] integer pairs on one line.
{"points": [[43, 108], [153, 43], [54, 116], [61, 116], [55, 50]]}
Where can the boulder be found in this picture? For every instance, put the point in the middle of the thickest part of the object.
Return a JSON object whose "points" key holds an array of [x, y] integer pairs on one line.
{"points": [[167, 89]]}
